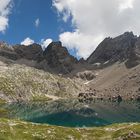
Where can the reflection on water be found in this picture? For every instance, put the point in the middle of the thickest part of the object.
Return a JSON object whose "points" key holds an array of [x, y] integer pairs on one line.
{"points": [[74, 113]]}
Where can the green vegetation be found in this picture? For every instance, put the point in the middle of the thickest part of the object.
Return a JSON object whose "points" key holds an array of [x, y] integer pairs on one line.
{"points": [[17, 130], [6, 85], [3, 113], [2, 101], [40, 98]]}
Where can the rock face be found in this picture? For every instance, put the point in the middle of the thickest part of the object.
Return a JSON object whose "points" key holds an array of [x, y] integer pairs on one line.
{"points": [[58, 58], [121, 48], [86, 75], [31, 52], [55, 56], [7, 52]]}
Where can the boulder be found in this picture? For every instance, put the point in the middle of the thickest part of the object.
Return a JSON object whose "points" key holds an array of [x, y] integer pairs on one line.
{"points": [[86, 75], [117, 98]]}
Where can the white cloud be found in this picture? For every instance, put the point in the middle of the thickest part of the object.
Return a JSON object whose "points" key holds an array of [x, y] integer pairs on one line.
{"points": [[126, 4], [5, 8], [83, 44], [94, 20], [27, 41], [45, 43], [37, 22]]}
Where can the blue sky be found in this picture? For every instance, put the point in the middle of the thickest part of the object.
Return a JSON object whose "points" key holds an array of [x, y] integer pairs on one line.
{"points": [[79, 24], [22, 22]]}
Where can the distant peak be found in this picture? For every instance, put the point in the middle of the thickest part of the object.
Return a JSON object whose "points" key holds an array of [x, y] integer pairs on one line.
{"points": [[121, 48], [56, 43], [129, 33]]}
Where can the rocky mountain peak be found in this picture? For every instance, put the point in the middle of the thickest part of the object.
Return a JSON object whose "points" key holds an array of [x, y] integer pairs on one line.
{"points": [[124, 48], [7, 51], [111, 50], [54, 44], [55, 56], [59, 58], [31, 52]]}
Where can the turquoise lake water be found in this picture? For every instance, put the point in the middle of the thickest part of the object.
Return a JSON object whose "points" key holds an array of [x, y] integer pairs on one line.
{"points": [[72, 113]]}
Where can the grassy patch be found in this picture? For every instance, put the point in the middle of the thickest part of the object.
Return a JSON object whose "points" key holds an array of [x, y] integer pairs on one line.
{"points": [[17, 130], [3, 113], [40, 98], [6, 86], [2, 101]]}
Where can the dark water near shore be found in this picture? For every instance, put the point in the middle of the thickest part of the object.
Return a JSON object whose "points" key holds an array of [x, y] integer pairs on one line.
{"points": [[72, 113]]}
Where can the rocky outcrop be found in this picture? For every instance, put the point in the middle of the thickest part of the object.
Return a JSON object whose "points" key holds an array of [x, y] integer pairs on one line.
{"points": [[125, 47], [58, 58], [87, 97], [31, 52], [55, 57], [7, 51], [117, 98], [86, 75], [82, 61]]}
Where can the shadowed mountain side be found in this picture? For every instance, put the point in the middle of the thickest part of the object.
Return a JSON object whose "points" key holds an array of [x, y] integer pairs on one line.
{"points": [[124, 48], [58, 58], [54, 59]]}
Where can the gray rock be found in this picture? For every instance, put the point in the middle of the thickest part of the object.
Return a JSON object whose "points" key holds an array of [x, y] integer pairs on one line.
{"points": [[31, 52], [125, 47], [58, 58], [86, 75]]}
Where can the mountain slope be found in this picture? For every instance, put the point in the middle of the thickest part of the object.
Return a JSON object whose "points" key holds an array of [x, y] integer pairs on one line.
{"points": [[28, 72], [20, 82], [55, 58], [122, 48], [116, 80]]}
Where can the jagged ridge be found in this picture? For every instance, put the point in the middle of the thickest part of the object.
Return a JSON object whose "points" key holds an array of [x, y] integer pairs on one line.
{"points": [[122, 48]]}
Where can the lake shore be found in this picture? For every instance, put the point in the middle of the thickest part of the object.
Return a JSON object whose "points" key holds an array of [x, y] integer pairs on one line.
{"points": [[18, 130]]}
